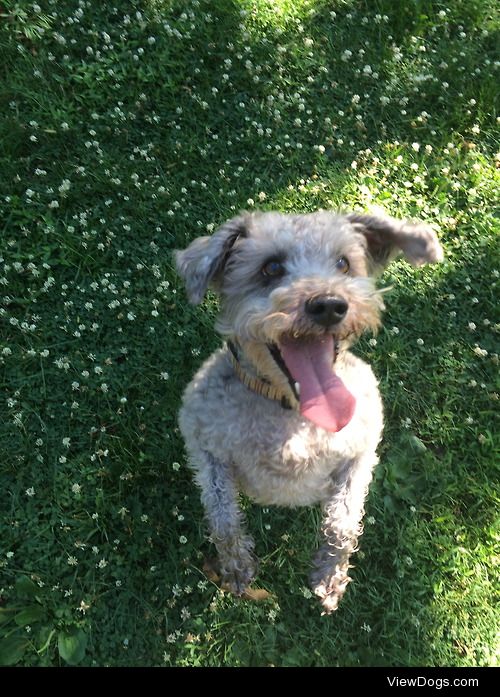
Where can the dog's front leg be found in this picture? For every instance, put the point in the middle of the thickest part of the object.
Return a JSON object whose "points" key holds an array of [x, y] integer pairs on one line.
{"points": [[341, 527], [219, 495]]}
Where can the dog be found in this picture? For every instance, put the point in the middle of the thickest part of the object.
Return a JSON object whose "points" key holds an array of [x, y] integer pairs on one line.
{"points": [[284, 412]]}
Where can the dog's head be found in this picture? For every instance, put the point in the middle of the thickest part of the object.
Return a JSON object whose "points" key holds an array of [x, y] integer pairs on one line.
{"points": [[301, 283], [293, 275]]}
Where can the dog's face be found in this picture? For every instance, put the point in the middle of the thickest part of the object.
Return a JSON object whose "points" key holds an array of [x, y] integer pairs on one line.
{"points": [[303, 285], [289, 277], [297, 275]]}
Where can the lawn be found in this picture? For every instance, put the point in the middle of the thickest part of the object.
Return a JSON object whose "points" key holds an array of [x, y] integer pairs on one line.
{"points": [[128, 128]]}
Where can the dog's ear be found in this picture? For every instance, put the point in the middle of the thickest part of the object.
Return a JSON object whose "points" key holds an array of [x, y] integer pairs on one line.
{"points": [[387, 237], [201, 264]]}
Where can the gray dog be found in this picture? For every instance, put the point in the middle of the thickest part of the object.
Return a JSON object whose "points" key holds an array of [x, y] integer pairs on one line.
{"points": [[284, 411]]}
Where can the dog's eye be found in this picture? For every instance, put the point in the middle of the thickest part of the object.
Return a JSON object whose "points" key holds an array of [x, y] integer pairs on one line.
{"points": [[342, 265], [273, 269]]}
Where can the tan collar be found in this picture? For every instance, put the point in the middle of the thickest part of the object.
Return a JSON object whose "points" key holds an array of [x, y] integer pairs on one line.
{"points": [[262, 385]]}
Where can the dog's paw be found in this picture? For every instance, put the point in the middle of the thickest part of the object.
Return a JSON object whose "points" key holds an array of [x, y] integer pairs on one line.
{"points": [[233, 579], [330, 597], [330, 589], [237, 576], [329, 601], [238, 568]]}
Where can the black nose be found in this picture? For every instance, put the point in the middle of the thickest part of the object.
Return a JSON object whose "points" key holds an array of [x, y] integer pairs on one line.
{"points": [[326, 310]]}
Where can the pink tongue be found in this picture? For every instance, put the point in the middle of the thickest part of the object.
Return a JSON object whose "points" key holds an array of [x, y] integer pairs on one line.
{"points": [[324, 399]]}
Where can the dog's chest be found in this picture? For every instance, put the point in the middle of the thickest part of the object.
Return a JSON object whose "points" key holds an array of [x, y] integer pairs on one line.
{"points": [[278, 456], [295, 464], [291, 462]]}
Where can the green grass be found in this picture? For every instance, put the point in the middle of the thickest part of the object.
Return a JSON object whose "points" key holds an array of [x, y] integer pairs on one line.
{"points": [[122, 139]]}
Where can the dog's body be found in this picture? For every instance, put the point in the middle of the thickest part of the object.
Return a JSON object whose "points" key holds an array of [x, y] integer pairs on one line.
{"points": [[291, 461], [284, 412]]}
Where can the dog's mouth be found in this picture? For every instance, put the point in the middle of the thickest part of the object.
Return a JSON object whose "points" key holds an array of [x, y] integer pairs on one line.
{"points": [[308, 364]]}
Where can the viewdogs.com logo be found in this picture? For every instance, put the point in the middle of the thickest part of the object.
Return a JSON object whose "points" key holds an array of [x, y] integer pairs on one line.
{"points": [[437, 683]]}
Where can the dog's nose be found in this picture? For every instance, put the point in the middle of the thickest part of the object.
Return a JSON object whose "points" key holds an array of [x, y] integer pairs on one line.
{"points": [[326, 310]]}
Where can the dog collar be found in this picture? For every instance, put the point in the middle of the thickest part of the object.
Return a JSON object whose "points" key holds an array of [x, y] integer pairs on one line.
{"points": [[261, 385]]}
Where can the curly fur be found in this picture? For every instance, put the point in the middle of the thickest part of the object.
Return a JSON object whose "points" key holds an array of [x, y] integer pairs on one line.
{"points": [[238, 440]]}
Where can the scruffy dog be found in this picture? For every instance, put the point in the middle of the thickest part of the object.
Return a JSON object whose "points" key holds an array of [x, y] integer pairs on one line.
{"points": [[284, 412]]}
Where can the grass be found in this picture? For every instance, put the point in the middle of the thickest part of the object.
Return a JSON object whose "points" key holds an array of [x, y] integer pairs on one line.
{"points": [[126, 129]]}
